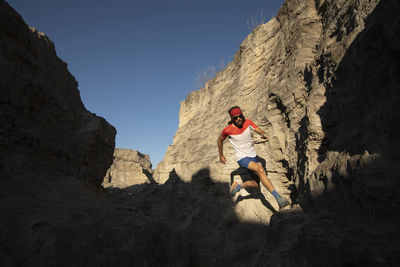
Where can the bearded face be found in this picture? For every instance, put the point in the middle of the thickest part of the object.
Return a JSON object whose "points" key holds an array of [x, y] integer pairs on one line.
{"points": [[238, 121]]}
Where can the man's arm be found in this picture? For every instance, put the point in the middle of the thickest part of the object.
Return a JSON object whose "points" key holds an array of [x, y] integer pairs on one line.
{"points": [[261, 132], [221, 149]]}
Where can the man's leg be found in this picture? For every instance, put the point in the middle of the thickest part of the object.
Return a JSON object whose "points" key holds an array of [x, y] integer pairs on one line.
{"points": [[236, 187], [249, 183], [259, 170]]}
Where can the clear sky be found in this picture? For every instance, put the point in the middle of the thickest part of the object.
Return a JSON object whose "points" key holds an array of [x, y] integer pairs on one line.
{"points": [[135, 61]]}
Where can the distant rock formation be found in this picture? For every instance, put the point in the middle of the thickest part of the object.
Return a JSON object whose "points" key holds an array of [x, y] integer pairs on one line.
{"points": [[130, 167]]}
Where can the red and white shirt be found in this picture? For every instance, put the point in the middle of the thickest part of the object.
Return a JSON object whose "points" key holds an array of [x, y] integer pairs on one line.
{"points": [[241, 139]]}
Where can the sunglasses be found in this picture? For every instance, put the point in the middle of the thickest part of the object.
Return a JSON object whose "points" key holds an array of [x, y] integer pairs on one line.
{"points": [[236, 117]]}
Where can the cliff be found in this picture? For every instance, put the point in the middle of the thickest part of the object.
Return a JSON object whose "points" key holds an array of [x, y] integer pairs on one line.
{"points": [[44, 122], [320, 79]]}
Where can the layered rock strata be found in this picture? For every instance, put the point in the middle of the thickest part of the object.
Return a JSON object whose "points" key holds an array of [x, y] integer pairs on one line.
{"points": [[130, 167], [308, 78], [322, 79]]}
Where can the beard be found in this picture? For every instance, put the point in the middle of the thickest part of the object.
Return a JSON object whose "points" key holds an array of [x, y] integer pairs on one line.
{"points": [[239, 123]]}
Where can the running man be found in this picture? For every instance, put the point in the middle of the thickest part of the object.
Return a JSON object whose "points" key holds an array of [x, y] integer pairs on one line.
{"points": [[241, 139]]}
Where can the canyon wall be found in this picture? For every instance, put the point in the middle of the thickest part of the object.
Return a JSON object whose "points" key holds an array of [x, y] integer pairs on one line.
{"points": [[45, 126], [321, 79], [54, 155]]}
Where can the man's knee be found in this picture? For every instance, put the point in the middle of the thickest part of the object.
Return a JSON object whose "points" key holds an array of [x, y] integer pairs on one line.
{"points": [[259, 169]]}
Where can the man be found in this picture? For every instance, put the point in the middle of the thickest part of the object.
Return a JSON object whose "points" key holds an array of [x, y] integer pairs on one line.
{"points": [[241, 139]]}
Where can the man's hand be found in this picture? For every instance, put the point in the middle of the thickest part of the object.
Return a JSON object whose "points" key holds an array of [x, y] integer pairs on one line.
{"points": [[220, 149], [262, 133], [222, 159]]}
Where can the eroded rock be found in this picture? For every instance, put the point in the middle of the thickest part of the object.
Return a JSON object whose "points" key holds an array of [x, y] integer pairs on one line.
{"points": [[130, 167]]}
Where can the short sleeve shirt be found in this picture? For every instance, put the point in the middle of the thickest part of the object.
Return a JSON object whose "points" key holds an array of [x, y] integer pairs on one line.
{"points": [[241, 139]]}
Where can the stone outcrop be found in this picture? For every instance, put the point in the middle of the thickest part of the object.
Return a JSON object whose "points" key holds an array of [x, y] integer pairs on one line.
{"points": [[130, 167]]}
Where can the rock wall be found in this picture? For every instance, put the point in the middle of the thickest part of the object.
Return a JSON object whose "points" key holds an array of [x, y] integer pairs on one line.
{"points": [[311, 78], [130, 167], [358, 155], [45, 127]]}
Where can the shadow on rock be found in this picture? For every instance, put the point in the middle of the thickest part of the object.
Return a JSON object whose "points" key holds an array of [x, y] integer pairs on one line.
{"points": [[202, 211], [353, 195], [360, 152]]}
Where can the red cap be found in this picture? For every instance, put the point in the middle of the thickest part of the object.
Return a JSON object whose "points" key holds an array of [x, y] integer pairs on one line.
{"points": [[235, 112]]}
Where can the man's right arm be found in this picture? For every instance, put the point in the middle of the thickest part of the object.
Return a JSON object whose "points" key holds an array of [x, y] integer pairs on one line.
{"points": [[221, 149]]}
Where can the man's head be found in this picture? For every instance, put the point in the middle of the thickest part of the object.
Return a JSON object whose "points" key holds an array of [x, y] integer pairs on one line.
{"points": [[237, 117]]}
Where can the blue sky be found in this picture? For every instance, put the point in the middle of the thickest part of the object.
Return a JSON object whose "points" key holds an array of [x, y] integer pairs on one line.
{"points": [[135, 61]]}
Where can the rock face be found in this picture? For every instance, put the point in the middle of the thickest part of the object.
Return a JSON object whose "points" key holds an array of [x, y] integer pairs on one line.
{"points": [[129, 168], [322, 79], [45, 127], [309, 78]]}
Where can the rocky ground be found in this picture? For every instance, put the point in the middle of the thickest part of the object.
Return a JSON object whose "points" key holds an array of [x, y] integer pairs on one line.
{"points": [[203, 213]]}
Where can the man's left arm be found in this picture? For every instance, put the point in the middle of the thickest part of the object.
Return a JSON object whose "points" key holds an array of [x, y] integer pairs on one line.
{"points": [[261, 132]]}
